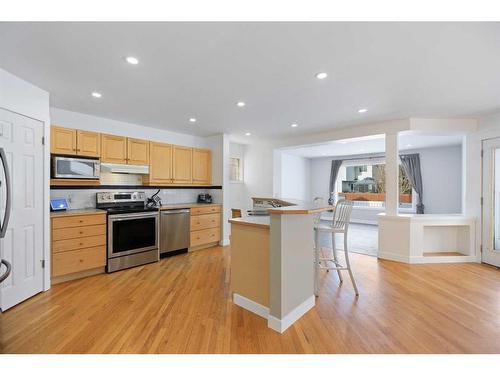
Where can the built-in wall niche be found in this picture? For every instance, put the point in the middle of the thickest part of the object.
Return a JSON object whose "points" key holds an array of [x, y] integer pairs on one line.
{"points": [[447, 240]]}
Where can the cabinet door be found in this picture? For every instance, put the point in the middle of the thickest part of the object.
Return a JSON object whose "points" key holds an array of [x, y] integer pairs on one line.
{"points": [[182, 165], [137, 151], [62, 141], [113, 149], [160, 165], [202, 166], [88, 143]]}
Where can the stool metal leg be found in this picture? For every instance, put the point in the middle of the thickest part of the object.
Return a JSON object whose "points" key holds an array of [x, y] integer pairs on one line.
{"points": [[348, 264], [335, 257]]}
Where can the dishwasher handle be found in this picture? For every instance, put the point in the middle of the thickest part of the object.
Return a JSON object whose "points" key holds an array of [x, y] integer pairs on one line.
{"points": [[171, 212]]}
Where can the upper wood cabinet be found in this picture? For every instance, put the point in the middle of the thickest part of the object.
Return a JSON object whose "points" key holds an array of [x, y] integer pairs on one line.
{"points": [[88, 143], [182, 165], [113, 149], [160, 163], [202, 166], [137, 151], [62, 140], [168, 164]]}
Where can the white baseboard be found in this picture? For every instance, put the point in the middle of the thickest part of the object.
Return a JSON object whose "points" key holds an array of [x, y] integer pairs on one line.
{"points": [[393, 256], [444, 259], [250, 305], [290, 318]]}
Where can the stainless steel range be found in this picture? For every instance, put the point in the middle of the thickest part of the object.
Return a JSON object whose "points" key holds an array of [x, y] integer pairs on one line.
{"points": [[132, 229]]}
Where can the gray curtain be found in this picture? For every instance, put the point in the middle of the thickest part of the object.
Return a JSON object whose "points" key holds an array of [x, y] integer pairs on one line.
{"points": [[334, 171], [411, 164]]}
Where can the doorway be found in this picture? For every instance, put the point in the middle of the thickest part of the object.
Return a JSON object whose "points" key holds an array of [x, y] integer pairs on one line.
{"points": [[491, 202]]}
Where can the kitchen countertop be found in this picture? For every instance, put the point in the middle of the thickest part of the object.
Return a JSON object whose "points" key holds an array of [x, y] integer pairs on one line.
{"points": [[176, 206], [253, 221], [85, 211]]}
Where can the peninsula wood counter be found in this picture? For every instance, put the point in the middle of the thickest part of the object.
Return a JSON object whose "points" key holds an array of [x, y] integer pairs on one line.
{"points": [[272, 272]]}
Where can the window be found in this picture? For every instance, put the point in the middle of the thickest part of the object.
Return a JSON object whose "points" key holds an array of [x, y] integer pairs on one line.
{"points": [[235, 170], [364, 184]]}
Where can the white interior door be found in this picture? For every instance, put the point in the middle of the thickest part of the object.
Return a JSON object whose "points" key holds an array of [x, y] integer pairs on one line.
{"points": [[22, 246], [491, 202]]}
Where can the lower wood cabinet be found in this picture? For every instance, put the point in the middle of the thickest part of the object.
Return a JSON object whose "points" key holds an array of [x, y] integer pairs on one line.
{"points": [[78, 245], [205, 226]]}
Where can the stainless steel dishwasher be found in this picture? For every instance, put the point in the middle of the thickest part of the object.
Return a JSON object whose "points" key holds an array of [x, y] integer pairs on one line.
{"points": [[174, 230]]}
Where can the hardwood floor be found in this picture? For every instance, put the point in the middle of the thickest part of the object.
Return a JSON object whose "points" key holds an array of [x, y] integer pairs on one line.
{"points": [[182, 305]]}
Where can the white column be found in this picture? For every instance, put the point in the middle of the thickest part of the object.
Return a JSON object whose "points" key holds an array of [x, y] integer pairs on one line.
{"points": [[391, 174]]}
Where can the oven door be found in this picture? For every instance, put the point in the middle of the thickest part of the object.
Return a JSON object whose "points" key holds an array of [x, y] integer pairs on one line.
{"points": [[132, 233]]}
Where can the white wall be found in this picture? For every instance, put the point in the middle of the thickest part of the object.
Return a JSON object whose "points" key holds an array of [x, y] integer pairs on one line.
{"points": [[258, 171], [295, 177], [442, 179], [22, 97], [77, 120]]}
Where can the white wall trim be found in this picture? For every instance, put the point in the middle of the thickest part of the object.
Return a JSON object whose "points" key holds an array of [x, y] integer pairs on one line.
{"points": [[281, 325], [444, 259], [251, 306], [393, 256]]}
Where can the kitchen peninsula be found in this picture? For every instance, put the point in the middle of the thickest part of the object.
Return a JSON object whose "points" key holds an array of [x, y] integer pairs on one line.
{"points": [[272, 271]]}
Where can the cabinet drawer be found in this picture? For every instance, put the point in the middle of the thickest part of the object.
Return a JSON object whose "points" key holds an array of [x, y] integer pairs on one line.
{"points": [[78, 260], [202, 237], [78, 243], [205, 221], [77, 232], [204, 210], [77, 221]]}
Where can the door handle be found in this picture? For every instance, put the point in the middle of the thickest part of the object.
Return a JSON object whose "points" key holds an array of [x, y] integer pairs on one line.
{"points": [[7, 273], [5, 222]]}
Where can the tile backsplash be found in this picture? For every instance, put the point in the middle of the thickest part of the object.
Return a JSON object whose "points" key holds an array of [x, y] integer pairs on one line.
{"points": [[85, 198]]}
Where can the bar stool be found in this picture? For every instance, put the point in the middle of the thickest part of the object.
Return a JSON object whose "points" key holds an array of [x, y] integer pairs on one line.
{"points": [[340, 224]]}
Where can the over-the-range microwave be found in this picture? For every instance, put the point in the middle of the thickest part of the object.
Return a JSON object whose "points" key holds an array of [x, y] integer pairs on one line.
{"points": [[75, 167]]}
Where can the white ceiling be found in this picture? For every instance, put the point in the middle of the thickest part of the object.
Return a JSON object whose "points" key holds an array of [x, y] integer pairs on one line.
{"points": [[395, 70], [373, 145]]}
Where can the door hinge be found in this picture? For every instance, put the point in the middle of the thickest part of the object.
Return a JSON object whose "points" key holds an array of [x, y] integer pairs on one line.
{"points": [[43, 263], [481, 201], [43, 141], [482, 153], [481, 249]]}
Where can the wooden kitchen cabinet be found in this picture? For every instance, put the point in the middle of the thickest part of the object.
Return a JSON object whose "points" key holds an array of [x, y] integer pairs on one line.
{"points": [[137, 151], [160, 163], [62, 140], [202, 166], [182, 164], [78, 245], [88, 143], [205, 223], [113, 149]]}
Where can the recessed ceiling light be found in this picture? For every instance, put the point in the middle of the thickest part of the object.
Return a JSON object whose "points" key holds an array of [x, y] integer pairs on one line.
{"points": [[132, 60], [321, 75], [96, 94], [248, 134], [192, 119], [240, 104], [362, 110], [294, 125], [409, 145]]}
